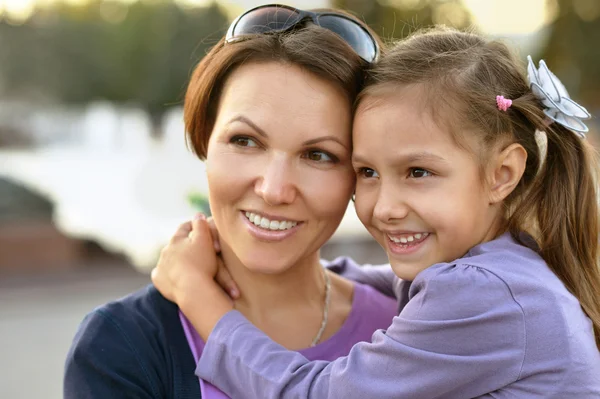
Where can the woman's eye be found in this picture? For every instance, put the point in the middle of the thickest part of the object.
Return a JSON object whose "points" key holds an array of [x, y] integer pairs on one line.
{"points": [[243, 141], [319, 156], [367, 173], [418, 173]]}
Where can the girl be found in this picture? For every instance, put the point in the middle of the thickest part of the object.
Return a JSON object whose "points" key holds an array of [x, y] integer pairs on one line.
{"points": [[497, 239]]}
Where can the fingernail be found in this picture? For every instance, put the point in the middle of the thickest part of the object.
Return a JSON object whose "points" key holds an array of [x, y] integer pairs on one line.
{"points": [[233, 293], [217, 246], [199, 216]]}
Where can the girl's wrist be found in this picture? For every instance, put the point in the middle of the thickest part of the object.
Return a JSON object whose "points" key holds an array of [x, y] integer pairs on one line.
{"points": [[205, 306]]}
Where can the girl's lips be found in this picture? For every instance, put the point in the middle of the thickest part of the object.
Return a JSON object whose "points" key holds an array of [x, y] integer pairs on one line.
{"points": [[268, 235], [400, 248]]}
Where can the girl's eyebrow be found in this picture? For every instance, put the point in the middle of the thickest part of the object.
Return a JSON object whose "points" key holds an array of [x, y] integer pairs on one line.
{"points": [[414, 157]]}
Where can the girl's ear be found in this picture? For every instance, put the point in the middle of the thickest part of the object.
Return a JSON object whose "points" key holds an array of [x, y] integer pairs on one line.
{"points": [[508, 167]]}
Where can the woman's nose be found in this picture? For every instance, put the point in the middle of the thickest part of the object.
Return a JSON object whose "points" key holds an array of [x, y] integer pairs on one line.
{"points": [[276, 186]]}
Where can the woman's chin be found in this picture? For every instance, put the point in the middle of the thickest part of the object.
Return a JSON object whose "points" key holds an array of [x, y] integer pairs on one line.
{"points": [[266, 264]]}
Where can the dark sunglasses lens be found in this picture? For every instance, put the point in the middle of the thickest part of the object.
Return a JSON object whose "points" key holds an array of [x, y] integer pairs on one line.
{"points": [[266, 19], [358, 38]]}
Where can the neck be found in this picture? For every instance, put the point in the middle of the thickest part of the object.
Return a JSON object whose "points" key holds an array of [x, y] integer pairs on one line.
{"points": [[268, 300]]}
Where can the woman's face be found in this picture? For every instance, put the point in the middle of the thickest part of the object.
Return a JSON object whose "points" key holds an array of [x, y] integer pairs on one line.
{"points": [[278, 164]]}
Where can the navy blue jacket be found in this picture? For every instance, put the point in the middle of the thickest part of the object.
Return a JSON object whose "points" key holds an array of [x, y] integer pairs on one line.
{"points": [[131, 348]]}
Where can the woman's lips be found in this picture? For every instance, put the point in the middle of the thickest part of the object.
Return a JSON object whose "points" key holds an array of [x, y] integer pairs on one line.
{"points": [[272, 233]]}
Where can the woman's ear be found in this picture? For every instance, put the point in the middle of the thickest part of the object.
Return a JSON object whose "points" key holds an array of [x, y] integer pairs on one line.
{"points": [[508, 168]]}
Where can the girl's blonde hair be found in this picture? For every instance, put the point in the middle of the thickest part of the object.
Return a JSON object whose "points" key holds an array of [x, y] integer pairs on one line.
{"points": [[556, 199]]}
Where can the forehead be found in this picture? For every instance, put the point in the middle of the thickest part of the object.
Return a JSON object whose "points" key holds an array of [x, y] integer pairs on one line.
{"points": [[403, 122], [399, 111], [279, 94]]}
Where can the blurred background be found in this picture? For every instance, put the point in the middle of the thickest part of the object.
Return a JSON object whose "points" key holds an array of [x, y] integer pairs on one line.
{"points": [[94, 172]]}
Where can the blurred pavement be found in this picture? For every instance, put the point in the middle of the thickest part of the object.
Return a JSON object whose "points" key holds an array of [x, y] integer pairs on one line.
{"points": [[38, 319]]}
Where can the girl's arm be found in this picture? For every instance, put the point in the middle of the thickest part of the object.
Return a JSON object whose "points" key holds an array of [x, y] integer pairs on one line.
{"points": [[451, 340], [448, 342]]}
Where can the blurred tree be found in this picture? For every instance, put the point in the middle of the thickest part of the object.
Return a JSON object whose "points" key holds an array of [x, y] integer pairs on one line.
{"points": [[395, 19], [140, 53], [568, 52]]}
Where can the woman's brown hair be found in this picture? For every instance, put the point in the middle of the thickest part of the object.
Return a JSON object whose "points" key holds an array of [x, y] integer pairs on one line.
{"points": [[308, 46], [556, 200]]}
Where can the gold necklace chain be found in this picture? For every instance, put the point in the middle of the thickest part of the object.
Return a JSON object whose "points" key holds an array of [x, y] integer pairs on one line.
{"points": [[325, 309]]}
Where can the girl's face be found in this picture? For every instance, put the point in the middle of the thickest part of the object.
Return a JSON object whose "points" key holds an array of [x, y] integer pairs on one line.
{"points": [[418, 193], [278, 164]]}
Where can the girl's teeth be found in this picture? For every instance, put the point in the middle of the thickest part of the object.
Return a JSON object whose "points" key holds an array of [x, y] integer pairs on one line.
{"points": [[267, 224], [407, 239]]}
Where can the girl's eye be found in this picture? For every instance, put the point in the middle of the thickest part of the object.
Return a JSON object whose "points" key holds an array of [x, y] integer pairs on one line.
{"points": [[418, 173], [367, 173], [320, 156], [243, 141]]}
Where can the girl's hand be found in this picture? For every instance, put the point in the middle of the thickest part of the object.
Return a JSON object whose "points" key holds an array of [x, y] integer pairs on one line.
{"points": [[223, 277], [185, 275], [187, 261]]}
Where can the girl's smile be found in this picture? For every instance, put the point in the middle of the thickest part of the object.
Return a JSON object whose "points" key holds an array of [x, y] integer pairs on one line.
{"points": [[419, 193], [406, 243]]}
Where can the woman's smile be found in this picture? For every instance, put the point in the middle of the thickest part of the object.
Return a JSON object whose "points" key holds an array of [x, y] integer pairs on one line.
{"points": [[271, 229]]}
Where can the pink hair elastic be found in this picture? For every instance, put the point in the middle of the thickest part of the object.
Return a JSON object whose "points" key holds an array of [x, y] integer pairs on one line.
{"points": [[503, 103]]}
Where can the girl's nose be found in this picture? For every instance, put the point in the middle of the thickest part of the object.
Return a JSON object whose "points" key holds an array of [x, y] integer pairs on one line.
{"points": [[390, 205]]}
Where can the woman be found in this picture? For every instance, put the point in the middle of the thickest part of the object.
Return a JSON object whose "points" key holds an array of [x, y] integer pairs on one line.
{"points": [[269, 110]]}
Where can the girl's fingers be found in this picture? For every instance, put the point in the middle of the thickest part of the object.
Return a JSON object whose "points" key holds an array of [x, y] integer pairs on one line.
{"points": [[183, 230], [200, 230], [225, 280]]}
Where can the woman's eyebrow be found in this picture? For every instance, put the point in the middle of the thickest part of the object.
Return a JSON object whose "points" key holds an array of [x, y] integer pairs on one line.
{"points": [[247, 121], [325, 138]]}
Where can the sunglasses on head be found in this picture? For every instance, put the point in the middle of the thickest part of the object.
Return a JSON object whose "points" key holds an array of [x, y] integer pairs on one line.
{"points": [[279, 18]]}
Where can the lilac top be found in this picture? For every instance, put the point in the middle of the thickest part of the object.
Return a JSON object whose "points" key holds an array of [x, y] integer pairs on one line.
{"points": [[370, 311], [496, 323]]}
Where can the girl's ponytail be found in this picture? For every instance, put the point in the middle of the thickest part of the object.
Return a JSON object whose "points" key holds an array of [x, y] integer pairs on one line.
{"points": [[565, 192]]}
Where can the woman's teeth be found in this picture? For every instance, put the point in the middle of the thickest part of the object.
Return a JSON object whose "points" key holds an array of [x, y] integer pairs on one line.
{"points": [[267, 224], [405, 239]]}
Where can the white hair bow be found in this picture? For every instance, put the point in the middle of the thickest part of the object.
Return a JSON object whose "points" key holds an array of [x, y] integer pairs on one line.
{"points": [[553, 94]]}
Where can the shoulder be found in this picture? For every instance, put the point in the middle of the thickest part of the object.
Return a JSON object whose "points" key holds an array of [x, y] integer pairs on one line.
{"points": [[142, 313], [459, 289], [464, 310], [136, 340]]}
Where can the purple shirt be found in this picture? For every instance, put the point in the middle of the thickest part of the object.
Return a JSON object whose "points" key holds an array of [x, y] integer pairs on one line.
{"points": [[496, 323], [370, 311]]}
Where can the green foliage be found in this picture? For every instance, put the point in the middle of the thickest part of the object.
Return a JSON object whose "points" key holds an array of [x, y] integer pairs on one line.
{"points": [[395, 19], [141, 53], [572, 50], [199, 202]]}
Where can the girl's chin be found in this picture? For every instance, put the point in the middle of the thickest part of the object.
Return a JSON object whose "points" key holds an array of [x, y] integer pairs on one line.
{"points": [[407, 271]]}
